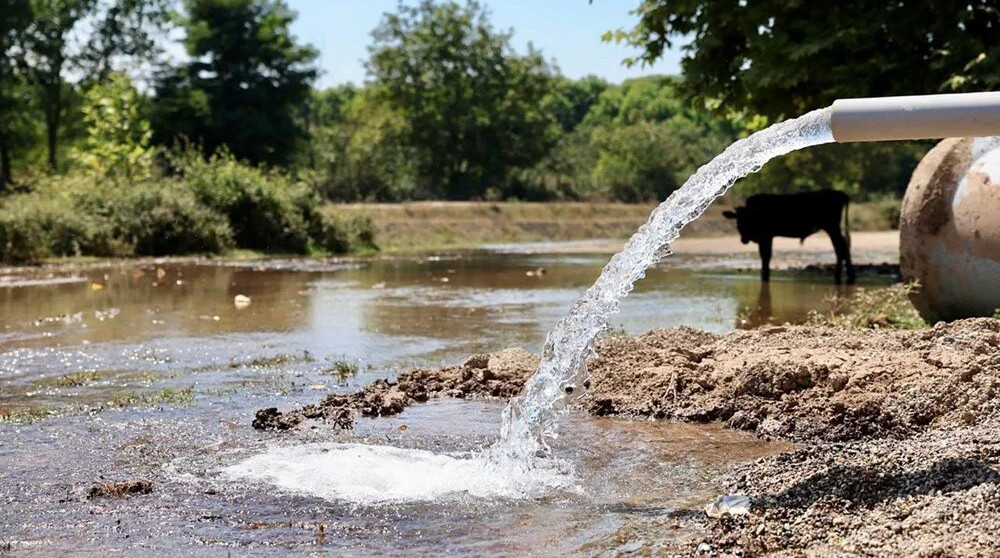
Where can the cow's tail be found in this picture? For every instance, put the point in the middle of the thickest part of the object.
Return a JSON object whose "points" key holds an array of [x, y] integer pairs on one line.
{"points": [[847, 224]]}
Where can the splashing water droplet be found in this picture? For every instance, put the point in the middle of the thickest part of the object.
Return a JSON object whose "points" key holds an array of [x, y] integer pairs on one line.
{"points": [[530, 420]]}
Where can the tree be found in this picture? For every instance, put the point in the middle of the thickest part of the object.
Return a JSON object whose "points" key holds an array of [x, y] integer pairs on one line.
{"points": [[245, 80], [363, 155], [86, 37], [781, 58], [14, 20], [648, 160], [117, 144], [572, 99], [475, 110]]}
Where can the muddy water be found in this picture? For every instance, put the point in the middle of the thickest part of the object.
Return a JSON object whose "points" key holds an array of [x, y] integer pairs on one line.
{"points": [[148, 370]]}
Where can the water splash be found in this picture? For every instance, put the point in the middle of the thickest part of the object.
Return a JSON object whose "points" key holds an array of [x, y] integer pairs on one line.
{"points": [[371, 475], [529, 420]]}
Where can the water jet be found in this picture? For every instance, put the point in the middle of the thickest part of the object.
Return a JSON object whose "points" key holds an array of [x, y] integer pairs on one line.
{"points": [[530, 419]]}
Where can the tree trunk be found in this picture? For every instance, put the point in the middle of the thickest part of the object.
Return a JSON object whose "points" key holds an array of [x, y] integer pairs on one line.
{"points": [[52, 117], [5, 173]]}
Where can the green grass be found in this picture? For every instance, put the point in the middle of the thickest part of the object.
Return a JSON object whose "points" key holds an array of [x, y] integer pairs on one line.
{"points": [[74, 380], [881, 308], [342, 369], [274, 361], [26, 415], [178, 397]]}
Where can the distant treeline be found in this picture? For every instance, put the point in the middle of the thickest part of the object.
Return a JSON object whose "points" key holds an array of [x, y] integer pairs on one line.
{"points": [[450, 111]]}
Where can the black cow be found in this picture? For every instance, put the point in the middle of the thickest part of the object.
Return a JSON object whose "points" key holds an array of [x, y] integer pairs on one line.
{"points": [[797, 216]]}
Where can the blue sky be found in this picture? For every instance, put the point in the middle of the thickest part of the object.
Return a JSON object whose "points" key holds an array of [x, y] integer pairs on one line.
{"points": [[568, 31]]}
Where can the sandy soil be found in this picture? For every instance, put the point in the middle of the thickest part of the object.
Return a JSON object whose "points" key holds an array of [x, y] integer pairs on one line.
{"points": [[880, 241], [899, 431]]}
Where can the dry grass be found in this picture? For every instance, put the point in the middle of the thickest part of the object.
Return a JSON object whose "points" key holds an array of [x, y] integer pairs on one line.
{"points": [[873, 309], [432, 225]]}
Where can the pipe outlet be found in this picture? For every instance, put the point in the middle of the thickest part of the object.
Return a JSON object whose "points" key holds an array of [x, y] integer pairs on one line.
{"points": [[955, 115]]}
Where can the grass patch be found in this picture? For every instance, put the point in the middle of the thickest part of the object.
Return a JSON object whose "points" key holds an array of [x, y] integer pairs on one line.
{"points": [[880, 308], [177, 397], [342, 369], [73, 380], [25, 415], [274, 361]]}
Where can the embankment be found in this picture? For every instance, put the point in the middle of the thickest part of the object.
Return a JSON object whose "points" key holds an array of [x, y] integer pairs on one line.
{"points": [[434, 225]]}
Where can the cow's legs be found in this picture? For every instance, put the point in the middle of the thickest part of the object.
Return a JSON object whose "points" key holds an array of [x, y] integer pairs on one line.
{"points": [[765, 259], [843, 255]]}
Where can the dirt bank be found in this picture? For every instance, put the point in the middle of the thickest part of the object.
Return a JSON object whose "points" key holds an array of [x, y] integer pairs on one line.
{"points": [[438, 225], [900, 429], [793, 382]]}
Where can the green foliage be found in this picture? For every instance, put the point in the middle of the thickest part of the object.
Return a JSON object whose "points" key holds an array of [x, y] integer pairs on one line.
{"points": [[647, 161], [637, 143], [244, 84], [572, 100], [888, 307], [14, 20], [362, 157], [75, 216], [87, 37], [781, 58], [266, 210], [117, 144], [342, 233], [474, 109]]}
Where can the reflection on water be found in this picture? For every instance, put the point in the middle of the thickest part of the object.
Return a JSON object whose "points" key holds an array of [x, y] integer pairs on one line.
{"points": [[149, 370]]}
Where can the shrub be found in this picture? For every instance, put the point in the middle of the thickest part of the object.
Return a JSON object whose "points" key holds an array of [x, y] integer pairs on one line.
{"points": [[888, 307], [166, 218], [71, 217], [266, 211], [341, 232]]}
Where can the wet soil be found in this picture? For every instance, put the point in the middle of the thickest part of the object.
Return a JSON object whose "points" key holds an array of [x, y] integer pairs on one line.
{"points": [[900, 430]]}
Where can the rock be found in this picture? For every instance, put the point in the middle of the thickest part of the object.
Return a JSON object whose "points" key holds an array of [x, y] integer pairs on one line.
{"points": [[728, 504], [513, 363], [241, 301]]}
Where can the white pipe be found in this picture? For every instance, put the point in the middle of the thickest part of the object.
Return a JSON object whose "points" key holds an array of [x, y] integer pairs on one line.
{"points": [[955, 115]]}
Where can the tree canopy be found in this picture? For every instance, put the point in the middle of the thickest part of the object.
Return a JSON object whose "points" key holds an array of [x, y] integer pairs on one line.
{"points": [[780, 58], [242, 87], [473, 106]]}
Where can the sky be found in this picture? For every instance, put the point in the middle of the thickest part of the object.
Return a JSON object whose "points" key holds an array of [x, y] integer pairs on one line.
{"points": [[567, 31]]}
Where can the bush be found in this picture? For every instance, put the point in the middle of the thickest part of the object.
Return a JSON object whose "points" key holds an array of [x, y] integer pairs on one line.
{"points": [[72, 217], [881, 308], [166, 218], [266, 211], [342, 232]]}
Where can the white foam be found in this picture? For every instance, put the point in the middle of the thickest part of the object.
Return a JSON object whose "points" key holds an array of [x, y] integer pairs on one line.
{"points": [[366, 474]]}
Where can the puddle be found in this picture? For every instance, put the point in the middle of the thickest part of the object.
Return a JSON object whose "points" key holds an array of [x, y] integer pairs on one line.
{"points": [[150, 371]]}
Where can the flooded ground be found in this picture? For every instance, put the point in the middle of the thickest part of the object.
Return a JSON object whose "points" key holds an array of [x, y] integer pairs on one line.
{"points": [[148, 370]]}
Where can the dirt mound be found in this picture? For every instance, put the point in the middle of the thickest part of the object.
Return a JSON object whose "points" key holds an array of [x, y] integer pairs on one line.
{"points": [[792, 382], [494, 375], [804, 383]]}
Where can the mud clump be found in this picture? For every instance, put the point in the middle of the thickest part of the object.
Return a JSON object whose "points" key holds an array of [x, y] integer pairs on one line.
{"points": [[497, 375], [119, 489]]}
